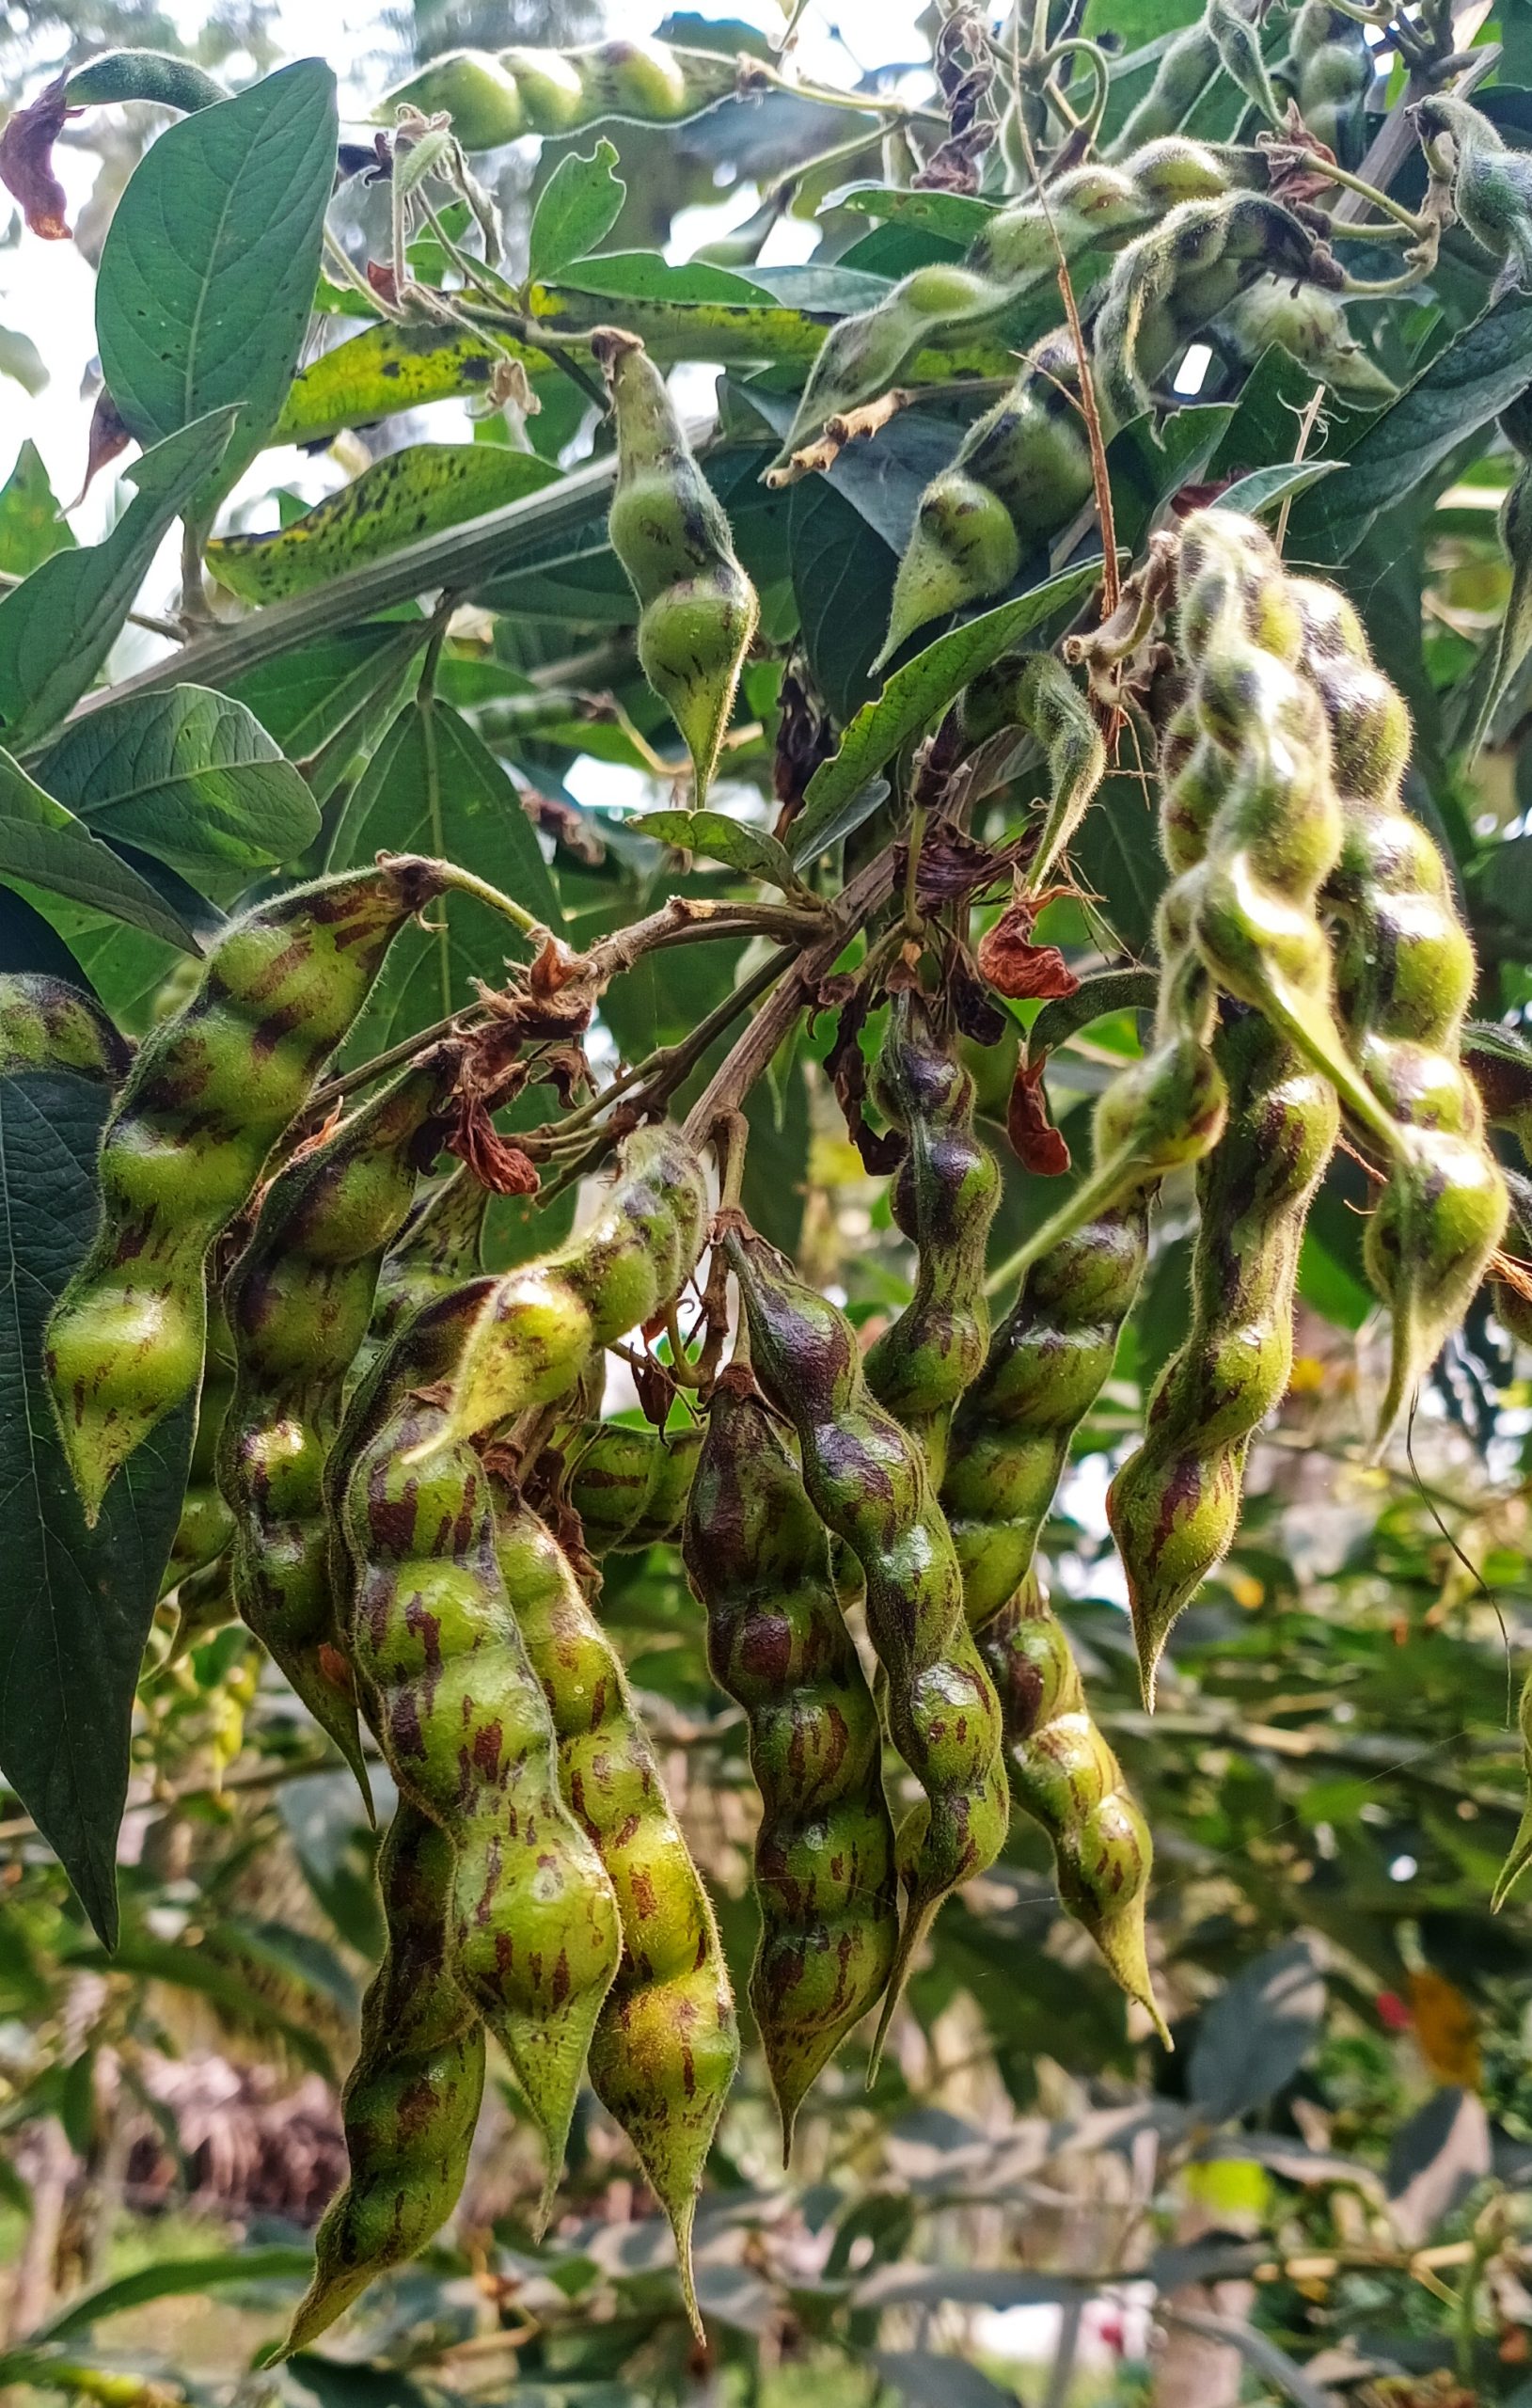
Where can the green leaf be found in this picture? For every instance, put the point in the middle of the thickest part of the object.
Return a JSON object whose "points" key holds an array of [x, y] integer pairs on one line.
{"points": [[949, 214], [56, 629], [645, 275], [431, 787], [388, 368], [915, 694], [31, 526], [43, 845], [188, 776], [209, 267], [196, 1969], [78, 1603], [1465, 386], [179, 2278], [577, 209], [1116, 852], [1263, 488], [1098, 998], [419, 491], [307, 697], [718, 838]]}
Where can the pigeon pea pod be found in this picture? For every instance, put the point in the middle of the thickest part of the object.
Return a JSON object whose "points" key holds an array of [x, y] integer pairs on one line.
{"points": [[205, 1525], [496, 97], [47, 1025], [461, 1718], [666, 2044], [943, 1198], [1065, 1775], [698, 610], [1048, 1362], [1025, 469], [541, 1324], [438, 1247], [757, 1557], [1491, 184], [1173, 1507], [1035, 691], [1223, 37], [298, 1303], [1310, 324], [868, 1482], [411, 2099], [1093, 207], [1404, 976], [1332, 72], [210, 1092], [629, 1486]]}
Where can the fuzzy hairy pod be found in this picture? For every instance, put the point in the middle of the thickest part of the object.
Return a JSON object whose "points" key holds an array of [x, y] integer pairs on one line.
{"points": [[1065, 1775], [757, 1557], [438, 1247], [1491, 184], [698, 610], [47, 1025], [496, 97], [210, 1091], [1047, 1361], [541, 1324], [1332, 70], [1173, 1507], [1185, 71], [943, 1198], [1092, 208], [665, 2043], [1023, 470], [411, 2099], [462, 1720], [868, 1482], [298, 1303], [1404, 976], [1035, 691], [1310, 324], [629, 1486]]}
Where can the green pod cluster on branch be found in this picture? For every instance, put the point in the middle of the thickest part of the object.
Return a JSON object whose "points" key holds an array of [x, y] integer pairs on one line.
{"points": [[1491, 184], [47, 1025], [1312, 325], [1404, 976], [411, 2099], [943, 1198], [1094, 207], [1035, 691], [665, 2043], [757, 1557], [1047, 1361], [1330, 72], [1174, 1506], [629, 1486], [1065, 1775], [542, 1322], [461, 1720], [698, 610], [1023, 470], [210, 1092], [868, 1482], [298, 1303], [495, 97]]}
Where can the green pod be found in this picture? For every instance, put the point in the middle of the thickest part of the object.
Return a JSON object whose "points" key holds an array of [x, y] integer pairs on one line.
{"points": [[1185, 71], [440, 1245], [205, 1524], [210, 1091], [1312, 325], [868, 1482], [666, 2044], [494, 98], [1404, 976], [1065, 1775], [118, 75], [1048, 1362], [1521, 1848], [298, 1302], [757, 1557], [47, 1025], [543, 1322], [1491, 184], [411, 2098], [629, 1486], [1332, 72], [1173, 1507], [1233, 25], [460, 1719], [943, 1198], [698, 610], [1033, 690]]}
